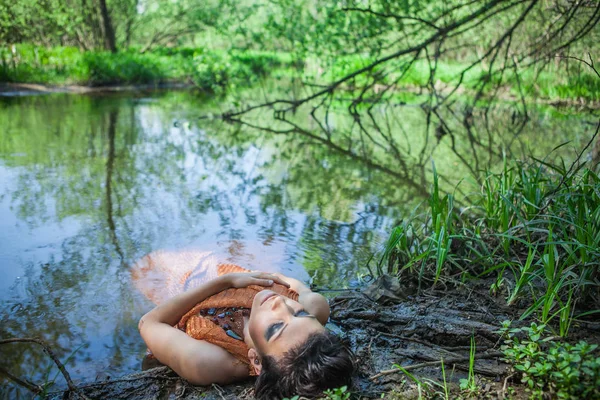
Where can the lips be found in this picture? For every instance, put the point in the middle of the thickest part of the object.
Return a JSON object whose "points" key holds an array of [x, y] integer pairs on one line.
{"points": [[272, 294]]}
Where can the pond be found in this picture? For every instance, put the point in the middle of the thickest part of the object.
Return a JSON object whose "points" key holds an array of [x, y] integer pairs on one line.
{"points": [[91, 183]]}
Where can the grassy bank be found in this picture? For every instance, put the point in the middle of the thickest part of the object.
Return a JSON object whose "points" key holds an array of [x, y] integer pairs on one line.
{"points": [[532, 234], [214, 69], [556, 81], [534, 228], [208, 69]]}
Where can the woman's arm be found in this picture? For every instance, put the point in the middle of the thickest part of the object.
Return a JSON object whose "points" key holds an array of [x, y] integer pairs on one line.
{"points": [[314, 303], [199, 362]]}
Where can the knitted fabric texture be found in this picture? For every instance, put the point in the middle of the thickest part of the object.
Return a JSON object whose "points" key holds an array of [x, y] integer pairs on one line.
{"points": [[203, 328]]}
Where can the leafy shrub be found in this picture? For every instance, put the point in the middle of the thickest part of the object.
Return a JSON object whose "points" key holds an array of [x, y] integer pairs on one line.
{"points": [[340, 393], [108, 68], [256, 63], [212, 70], [560, 370]]}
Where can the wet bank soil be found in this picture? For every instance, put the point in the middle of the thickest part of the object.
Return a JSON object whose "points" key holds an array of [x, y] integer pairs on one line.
{"points": [[415, 332]]}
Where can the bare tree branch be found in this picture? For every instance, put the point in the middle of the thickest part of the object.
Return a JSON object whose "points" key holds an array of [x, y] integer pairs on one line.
{"points": [[54, 358]]}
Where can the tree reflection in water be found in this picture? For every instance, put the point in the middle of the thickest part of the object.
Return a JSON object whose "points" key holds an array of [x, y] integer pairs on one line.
{"points": [[113, 178]]}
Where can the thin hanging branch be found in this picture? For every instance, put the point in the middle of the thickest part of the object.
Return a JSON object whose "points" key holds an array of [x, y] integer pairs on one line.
{"points": [[54, 358]]}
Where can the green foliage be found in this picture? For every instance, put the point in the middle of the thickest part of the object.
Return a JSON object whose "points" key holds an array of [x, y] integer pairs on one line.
{"points": [[585, 86], [340, 393], [469, 384], [209, 69], [216, 70], [61, 65], [534, 227], [106, 68], [550, 83], [550, 368]]}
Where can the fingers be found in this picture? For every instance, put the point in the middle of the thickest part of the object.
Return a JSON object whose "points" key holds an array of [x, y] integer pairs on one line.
{"points": [[263, 282], [272, 278], [281, 281]]}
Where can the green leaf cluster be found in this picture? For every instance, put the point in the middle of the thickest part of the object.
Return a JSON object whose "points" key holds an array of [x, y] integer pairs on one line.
{"points": [[550, 368], [340, 393]]}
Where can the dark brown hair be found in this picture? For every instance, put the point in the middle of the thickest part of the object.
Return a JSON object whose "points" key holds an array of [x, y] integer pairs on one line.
{"points": [[322, 362]]}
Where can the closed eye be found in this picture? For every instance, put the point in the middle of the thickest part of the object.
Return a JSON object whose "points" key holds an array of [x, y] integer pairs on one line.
{"points": [[302, 313], [272, 329]]}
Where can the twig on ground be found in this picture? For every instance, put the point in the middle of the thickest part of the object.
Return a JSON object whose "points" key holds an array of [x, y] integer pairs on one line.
{"points": [[51, 354], [111, 381], [503, 394], [430, 363], [247, 393], [219, 390], [371, 343], [320, 290], [428, 344]]}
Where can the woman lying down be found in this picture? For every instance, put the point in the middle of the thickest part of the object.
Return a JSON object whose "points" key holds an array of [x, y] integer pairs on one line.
{"points": [[224, 323]]}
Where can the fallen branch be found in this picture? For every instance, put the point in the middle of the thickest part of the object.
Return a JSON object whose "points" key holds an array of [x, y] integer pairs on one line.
{"points": [[431, 363], [432, 345], [50, 353], [319, 290], [138, 377]]}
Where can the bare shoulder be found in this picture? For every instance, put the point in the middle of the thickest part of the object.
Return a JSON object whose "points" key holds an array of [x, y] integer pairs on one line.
{"points": [[197, 361], [316, 304], [213, 364]]}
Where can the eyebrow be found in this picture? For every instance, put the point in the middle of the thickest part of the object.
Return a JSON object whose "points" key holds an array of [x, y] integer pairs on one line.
{"points": [[269, 335]]}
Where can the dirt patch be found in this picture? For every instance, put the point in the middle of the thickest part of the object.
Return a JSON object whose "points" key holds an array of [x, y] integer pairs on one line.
{"points": [[416, 332]]}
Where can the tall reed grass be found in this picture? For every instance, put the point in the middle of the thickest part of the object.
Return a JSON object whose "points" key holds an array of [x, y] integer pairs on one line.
{"points": [[533, 230]]}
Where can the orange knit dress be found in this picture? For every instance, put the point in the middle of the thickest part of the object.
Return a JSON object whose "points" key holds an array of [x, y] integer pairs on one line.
{"points": [[219, 318]]}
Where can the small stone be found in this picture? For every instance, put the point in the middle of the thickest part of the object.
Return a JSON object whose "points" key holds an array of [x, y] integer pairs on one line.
{"points": [[222, 315], [211, 311], [232, 334], [228, 313], [226, 326]]}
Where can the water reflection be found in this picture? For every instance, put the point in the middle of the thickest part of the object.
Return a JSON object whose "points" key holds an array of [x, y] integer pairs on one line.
{"points": [[90, 184]]}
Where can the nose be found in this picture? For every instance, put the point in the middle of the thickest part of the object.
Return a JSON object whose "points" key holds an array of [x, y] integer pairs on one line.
{"points": [[277, 303], [280, 305]]}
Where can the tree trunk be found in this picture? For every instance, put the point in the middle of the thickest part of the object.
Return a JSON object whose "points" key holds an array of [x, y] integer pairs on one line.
{"points": [[109, 32]]}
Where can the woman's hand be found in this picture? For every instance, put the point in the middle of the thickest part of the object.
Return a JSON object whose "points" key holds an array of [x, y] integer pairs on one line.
{"points": [[292, 283], [245, 279]]}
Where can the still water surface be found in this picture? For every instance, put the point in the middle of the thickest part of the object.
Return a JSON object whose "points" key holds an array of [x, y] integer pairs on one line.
{"points": [[89, 184]]}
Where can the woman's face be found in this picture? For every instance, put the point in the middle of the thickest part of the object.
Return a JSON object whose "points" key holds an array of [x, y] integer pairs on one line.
{"points": [[278, 323]]}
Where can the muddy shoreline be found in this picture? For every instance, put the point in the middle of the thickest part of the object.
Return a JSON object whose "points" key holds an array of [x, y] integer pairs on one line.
{"points": [[415, 332], [30, 89]]}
